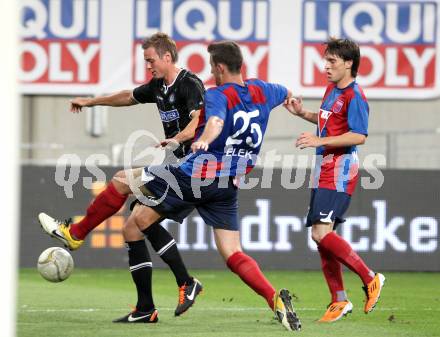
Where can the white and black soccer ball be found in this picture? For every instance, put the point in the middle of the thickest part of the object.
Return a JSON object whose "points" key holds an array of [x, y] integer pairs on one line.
{"points": [[55, 264]]}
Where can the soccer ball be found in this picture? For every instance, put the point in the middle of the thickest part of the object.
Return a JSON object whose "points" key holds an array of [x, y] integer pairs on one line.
{"points": [[55, 264]]}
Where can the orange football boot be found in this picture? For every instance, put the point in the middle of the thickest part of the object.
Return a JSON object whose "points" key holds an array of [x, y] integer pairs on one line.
{"points": [[372, 291], [336, 311]]}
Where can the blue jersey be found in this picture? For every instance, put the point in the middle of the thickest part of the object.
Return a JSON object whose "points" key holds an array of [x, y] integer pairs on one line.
{"points": [[245, 112]]}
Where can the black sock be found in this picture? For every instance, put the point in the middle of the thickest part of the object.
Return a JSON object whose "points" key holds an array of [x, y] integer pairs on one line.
{"points": [[166, 247], [141, 270]]}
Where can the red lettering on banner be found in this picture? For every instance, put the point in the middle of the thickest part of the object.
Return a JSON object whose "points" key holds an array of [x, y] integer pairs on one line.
{"points": [[382, 66], [194, 57], [63, 61]]}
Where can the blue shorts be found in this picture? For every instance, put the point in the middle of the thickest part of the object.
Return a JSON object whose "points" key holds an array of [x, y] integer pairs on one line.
{"points": [[327, 206], [176, 195]]}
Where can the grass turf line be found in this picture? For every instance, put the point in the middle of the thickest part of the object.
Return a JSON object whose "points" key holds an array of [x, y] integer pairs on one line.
{"points": [[85, 304]]}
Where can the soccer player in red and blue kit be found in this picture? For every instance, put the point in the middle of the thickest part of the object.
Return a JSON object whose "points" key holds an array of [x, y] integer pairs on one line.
{"points": [[342, 123], [231, 127]]}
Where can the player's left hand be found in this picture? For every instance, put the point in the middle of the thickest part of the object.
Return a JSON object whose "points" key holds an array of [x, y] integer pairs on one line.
{"points": [[199, 145], [307, 139]]}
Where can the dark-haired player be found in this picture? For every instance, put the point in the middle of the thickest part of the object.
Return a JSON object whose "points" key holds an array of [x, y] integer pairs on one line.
{"points": [[228, 139], [342, 124]]}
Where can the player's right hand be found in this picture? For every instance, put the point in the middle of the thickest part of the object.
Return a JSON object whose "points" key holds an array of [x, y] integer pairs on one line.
{"points": [[199, 145], [295, 106], [78, 103]]}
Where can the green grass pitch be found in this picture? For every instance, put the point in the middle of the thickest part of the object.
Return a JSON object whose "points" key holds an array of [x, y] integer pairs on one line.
{"points": [[85, 304]]}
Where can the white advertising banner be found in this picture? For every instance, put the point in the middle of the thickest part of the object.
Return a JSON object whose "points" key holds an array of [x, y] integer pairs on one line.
{"points": [[94, 46]]}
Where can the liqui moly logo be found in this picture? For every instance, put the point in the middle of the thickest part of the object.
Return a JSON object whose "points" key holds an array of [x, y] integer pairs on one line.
{"points": [[195, 23], [60, 41], [399, 42]]}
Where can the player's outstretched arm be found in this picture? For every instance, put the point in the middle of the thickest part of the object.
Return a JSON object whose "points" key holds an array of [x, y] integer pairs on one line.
{"points": [[295, 106], [122, 98], [213, 128]]}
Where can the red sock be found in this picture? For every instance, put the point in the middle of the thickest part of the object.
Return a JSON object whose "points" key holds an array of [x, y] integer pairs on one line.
{"points": [[332, 270], [107, 203], [340, 249], [249, 271]]}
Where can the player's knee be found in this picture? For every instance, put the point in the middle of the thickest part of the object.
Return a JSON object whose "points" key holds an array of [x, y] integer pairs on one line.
{"points": [[126, 234], [227, 252], [130, 232], [119, 182], [137, 215], [232, 252], [317, 236], [119, 175], [143, 218]]}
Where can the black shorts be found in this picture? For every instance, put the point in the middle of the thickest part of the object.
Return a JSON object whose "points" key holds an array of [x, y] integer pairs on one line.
{"points": [[217, 203], [327, 206]]}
